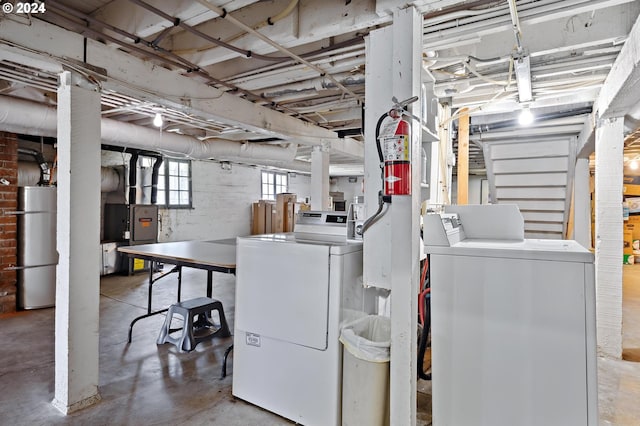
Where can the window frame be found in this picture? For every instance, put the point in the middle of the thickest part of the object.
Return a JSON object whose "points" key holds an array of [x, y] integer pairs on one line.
{"points": [[166, 177], [276, 187]]}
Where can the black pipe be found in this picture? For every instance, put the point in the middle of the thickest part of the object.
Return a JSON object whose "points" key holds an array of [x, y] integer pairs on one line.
{"points": [[45, 171], [135, 153], [154, 180], [133, 177], [121, 149], [483, 128]]}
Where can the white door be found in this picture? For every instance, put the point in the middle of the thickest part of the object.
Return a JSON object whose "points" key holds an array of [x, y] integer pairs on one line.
{"points": [[282, 291]]}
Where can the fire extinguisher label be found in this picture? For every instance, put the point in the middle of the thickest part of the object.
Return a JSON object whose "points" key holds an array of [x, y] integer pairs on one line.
{"points": [[396, 148], [388, 127]]}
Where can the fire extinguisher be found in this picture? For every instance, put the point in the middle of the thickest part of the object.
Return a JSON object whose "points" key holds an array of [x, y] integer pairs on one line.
{"points": [[396, 152], [393, 141]]}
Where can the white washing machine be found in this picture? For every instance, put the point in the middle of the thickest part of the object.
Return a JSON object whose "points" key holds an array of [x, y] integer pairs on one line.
{"points": [[513, 323], [292, 292]]}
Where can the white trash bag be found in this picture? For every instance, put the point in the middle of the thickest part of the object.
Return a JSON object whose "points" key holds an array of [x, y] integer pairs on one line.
{"points": [[368, 338]]}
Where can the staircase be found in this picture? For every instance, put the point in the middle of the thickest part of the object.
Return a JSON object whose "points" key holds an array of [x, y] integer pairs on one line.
{"points": [[538, 177]]}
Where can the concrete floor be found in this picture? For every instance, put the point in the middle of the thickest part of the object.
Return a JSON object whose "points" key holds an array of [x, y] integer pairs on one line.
{"points": [[145, 384]]}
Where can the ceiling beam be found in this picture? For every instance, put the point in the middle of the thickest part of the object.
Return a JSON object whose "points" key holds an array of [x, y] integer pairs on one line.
{"points": [[619, 93], [146, 81], [313, 20], [124, 15], [530, 18], [621, 87]]}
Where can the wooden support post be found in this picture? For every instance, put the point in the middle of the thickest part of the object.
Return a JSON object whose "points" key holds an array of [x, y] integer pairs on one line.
{"points": [[463, 157]]}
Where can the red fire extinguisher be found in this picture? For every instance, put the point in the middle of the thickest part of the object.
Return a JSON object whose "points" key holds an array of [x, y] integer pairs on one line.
{"points": [[393, 141], [396, 151]]}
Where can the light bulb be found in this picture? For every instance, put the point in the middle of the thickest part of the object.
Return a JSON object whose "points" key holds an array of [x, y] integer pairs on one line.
{"points": [[526, 117], [633, 165], [157, 120]]}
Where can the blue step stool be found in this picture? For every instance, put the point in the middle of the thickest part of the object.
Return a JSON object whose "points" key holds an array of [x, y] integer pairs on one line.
{"points": [[188, 310]]}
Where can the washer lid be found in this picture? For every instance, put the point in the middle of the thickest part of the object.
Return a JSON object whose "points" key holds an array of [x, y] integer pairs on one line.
{"points": [[336, 246], [535, 249]]}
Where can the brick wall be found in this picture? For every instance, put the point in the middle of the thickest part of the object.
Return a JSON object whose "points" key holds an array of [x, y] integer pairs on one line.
{"points": [[8, 222]]}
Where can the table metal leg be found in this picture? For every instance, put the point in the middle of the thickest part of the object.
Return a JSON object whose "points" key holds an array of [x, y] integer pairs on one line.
{"points": [[224, 362], [179, 282], [150, 295]]}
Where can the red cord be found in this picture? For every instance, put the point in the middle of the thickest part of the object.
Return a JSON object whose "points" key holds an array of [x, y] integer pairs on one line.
{"points": [[422, 293]]}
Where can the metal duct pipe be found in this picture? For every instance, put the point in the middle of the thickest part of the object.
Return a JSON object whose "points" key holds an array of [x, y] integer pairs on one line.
{"points": [[45, 171], [133, 177], [154, 180], [31, 118], [29, 175]]}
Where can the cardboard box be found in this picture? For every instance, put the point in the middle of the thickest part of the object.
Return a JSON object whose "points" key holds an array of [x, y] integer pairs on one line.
{"points": [[634, 228], [629, 189], [271, 219], [633, 219], [627, 242], [282, 212], [257, 218], [289, 216], [261, 217]]}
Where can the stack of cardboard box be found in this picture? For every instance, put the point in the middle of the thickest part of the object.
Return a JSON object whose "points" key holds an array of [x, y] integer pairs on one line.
{"points": [[631, 237], [274, 216]]}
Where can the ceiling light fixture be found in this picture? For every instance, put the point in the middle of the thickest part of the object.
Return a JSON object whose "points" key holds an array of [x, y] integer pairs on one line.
{"points": [[157, 120], [523, 78], [526, 117], [633, 165]]}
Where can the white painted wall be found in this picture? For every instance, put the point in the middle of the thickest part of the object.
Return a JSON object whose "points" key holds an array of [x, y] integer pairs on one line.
{"points": [[475, 190], [300, 185], [221, 205], [221, 200], [350, 189]]}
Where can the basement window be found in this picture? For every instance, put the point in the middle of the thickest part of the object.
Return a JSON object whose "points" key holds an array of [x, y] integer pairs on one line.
{"points": [[273, 183], [174, 184]]}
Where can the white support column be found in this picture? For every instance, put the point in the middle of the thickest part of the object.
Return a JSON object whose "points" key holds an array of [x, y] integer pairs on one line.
{"points": [[609, 160], [320, 178], [582, 204], [391, 244], [405, 226], [78, 281]]}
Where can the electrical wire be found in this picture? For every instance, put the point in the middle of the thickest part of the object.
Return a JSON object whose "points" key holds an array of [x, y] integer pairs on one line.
{"points": [[497, 96]]}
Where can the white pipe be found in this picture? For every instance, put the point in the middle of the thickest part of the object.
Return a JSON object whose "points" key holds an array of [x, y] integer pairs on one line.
{"points": [[31, 118], [223, 14], [316, 84], [29, 175], [517, 31]]}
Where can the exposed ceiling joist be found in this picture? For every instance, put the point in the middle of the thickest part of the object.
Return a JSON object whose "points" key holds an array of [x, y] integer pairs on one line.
{"points": [[146, 81]]}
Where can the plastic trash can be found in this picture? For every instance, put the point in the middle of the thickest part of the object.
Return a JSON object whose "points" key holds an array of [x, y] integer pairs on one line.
{"points": [[365, 371]]}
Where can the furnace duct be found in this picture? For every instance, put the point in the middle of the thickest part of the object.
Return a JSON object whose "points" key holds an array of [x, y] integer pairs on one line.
{"points": [[29, 175], [31, 118]]}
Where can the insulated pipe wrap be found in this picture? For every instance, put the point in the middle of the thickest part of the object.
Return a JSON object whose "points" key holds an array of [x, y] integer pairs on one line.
{"points": [[31, 118], [29, 175]]}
